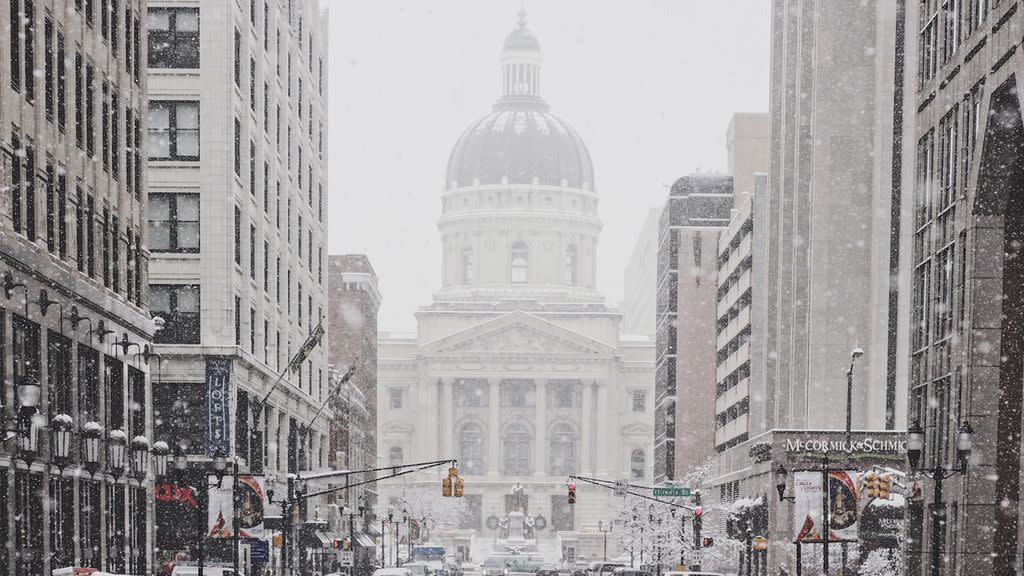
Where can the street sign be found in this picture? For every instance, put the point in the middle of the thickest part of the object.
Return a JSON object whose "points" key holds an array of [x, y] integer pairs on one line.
{"points": [[348, 558], [672, 491], [620, 488]]}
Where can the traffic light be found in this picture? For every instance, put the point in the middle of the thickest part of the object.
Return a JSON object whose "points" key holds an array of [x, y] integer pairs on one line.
{"points": [[871, 484], [446, 487], [346, 544], [458, 487], [452, 484], [708, 542], [884, 485], [572, 492]]}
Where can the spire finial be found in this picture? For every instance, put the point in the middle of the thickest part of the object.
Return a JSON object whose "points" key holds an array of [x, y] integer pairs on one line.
{"points": [[522, 14]]}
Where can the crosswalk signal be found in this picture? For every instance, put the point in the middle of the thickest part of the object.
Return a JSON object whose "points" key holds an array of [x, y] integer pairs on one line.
{"points": [[884, 486], [708, 542], [572, 492]]}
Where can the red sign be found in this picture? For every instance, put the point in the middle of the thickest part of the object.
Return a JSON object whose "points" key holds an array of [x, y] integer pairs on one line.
{"points": [[167, 492]]}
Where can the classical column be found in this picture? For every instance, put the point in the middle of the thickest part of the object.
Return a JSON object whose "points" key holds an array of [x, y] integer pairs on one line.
{"points": [[493, 428], [540, 428], [587, 437], [606, 434], [448, 429]]}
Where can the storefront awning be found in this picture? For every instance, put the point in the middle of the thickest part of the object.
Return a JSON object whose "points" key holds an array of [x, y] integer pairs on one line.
{"points": [[364, 540], [314, 539]]}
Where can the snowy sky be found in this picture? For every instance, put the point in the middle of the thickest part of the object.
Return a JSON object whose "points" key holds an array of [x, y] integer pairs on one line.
{"points": [[650, 85]]}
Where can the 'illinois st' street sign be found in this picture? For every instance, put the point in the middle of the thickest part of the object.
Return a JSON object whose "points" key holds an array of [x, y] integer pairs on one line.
{"points": [[672, 491]]}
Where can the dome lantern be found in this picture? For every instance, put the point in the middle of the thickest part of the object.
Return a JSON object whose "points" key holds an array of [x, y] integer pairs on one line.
{"points": [[520, 62]]}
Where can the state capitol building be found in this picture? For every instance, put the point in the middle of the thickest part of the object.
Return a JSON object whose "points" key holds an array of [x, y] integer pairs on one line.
{"points": [[517, 368]]}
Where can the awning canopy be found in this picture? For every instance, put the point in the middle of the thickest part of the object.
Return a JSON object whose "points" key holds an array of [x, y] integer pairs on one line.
{"points": [[364, 540], [314, 539]]}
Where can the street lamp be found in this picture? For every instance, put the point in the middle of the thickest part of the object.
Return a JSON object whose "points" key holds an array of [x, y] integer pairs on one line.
{"points": [[91, 434], [939, 473], [780, 473], [220, 466], [117, 443], [161, 454], [140, 457], [61, 431]]}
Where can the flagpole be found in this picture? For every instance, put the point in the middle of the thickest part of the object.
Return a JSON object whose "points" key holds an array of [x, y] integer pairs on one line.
{"points": [[344, 380], [312, 341]]}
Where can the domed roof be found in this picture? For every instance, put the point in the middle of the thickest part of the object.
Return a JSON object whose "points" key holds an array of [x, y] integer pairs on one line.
{"points": [[520, 141], [522, 38]]}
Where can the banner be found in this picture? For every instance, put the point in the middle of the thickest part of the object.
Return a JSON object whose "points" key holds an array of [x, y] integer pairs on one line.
{"points": [[844, 511], [307, 347], [843, 506], [218, 397], [251, 508], [807, 506]]}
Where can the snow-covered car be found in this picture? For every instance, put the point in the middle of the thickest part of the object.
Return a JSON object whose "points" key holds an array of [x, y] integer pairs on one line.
{"points": [[392, 572]]}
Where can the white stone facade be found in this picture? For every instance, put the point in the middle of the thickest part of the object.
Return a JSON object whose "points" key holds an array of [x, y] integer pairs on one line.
{"points": [[517, 369]]}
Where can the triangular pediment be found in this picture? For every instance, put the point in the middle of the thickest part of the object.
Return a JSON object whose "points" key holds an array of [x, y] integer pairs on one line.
{"points": [[518, 333]]}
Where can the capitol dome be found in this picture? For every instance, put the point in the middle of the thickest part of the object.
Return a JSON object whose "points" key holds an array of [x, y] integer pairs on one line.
{"points": [[520, 141]]}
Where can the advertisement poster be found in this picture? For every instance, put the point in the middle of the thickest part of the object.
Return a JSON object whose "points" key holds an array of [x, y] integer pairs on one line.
{"points": [[251, 508], [843, 505], [807, 506]]}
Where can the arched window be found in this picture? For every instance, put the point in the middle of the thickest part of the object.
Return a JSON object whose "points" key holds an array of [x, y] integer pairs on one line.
{"points": [[471, 449], [516, 451], [467, 265], [637, 464], [563, 455], [395, 456], [520, 259], [571, 265]]}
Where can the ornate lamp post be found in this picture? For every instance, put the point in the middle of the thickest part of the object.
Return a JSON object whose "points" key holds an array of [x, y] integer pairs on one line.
{"points": [[117, 444], [938, 472], [61, 431], [91, 434], [140, 457], [161, 455]]}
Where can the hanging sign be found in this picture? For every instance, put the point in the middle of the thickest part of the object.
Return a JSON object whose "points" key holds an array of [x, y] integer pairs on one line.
{"points": [[218, 396]]}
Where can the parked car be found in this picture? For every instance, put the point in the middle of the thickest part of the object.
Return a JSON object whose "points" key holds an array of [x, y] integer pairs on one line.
{"points": [[626, 571], [603, 568], [207, 571], [392, 572], [547, 570], [472, 569], [417, 568], [686, 573], [579, 568]]}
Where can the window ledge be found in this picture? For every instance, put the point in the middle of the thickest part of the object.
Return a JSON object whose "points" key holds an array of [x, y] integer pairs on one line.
{"points": [[173, 71]]}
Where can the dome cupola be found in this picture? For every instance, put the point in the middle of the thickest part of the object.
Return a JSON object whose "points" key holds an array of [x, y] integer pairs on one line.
{"points": [[520, 141]]}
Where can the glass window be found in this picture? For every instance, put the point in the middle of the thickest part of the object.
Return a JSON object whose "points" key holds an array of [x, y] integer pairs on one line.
{"points": [[471, 449], [637, 464], [639, 401], [173, 38], [173, 130], [570, 265], [178, 305], [467, 265], [395, 456], [562, 455], [395, 395], [520, 256], [174, 222], [470, 394]]}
